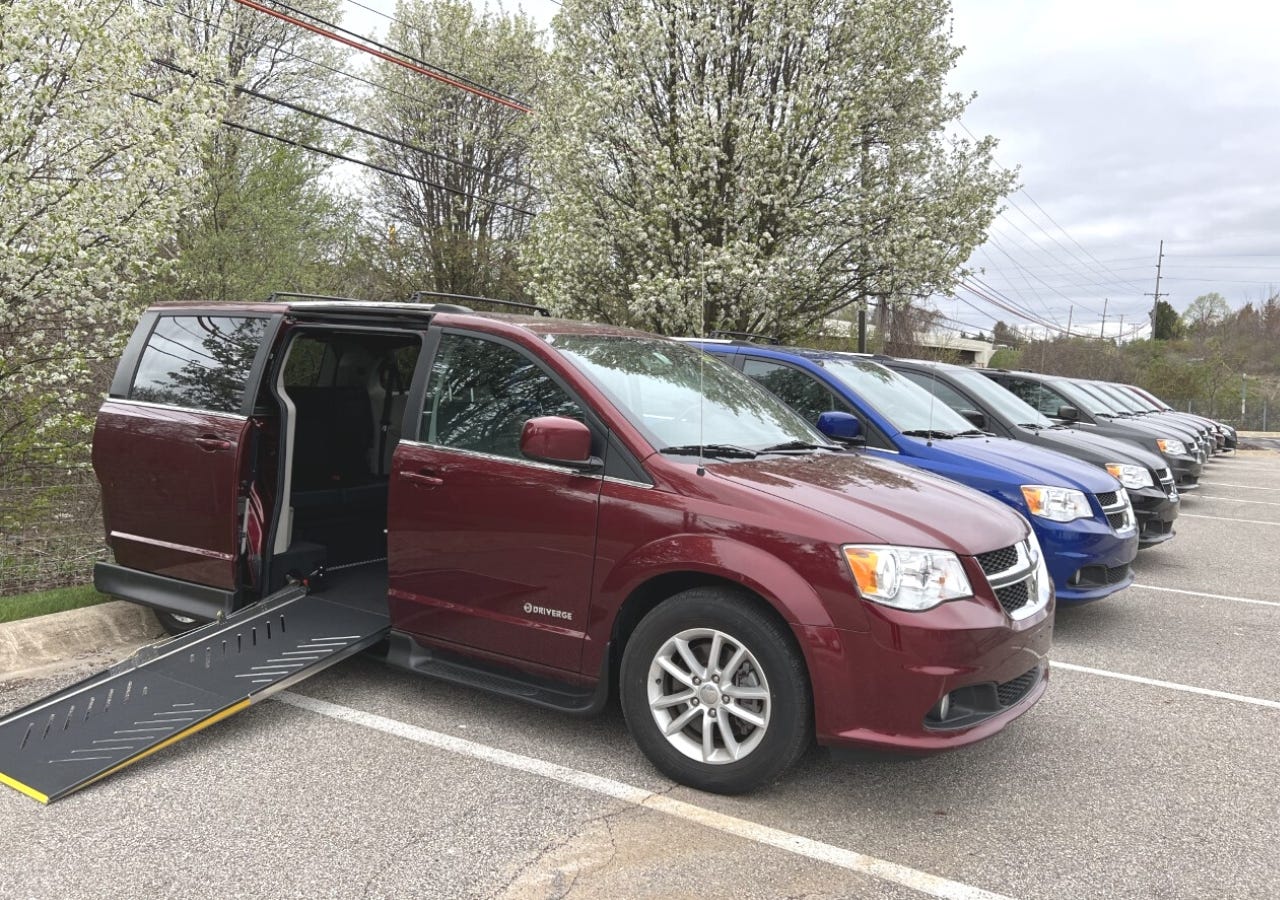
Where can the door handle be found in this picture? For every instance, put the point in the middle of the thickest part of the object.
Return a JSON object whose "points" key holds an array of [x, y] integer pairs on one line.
{"points": [[210, 443], [422, 478]]}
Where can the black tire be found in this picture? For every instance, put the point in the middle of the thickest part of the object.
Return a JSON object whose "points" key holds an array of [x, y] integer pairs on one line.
{"points": [[772, 669], [175, 623]]}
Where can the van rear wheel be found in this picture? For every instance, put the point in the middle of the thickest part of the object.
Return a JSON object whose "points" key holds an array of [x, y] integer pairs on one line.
{"points": [[715, 692], [175, 623]]}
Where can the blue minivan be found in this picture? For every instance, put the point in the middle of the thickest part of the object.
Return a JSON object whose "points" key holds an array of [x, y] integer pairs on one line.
{"points": [[1080, 513]]}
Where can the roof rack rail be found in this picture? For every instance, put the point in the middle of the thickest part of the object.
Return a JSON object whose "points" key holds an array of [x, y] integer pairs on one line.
{"points": [[416, 297], [276, 295], [745, 336]]}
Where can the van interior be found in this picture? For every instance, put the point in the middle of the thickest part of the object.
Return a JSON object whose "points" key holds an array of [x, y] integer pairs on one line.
{"points": [[341, 396]]}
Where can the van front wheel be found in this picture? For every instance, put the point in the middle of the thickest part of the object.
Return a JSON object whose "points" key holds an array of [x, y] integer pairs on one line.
{"points": [[715, 692]]}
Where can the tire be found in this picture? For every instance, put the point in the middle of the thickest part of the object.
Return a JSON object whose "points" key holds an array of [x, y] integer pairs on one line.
{"points": [[175, 623], [760, 715]]}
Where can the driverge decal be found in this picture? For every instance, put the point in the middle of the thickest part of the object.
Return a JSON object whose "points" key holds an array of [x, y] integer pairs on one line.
{"points": [[530, 609]]}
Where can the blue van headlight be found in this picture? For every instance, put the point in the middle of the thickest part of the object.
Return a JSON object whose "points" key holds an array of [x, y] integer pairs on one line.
{"points": [[1058, 504]]}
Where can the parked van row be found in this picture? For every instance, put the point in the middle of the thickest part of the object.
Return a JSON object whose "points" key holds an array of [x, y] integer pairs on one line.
{"points": [[567, 513]]}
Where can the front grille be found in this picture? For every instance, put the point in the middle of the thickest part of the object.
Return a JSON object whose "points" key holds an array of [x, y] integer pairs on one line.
{"points": [[1107, 499], [1011, 692], [1117, 520], [1155, 528], [998, 561], [1013, 597]]}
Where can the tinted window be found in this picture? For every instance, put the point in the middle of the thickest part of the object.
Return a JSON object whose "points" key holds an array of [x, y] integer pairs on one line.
{"points": [[481, 393], [939, 389], [200, 362], [799, 390]]}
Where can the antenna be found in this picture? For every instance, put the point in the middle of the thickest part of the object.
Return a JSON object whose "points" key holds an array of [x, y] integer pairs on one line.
{"points": [[702, 358], [933, 393]]}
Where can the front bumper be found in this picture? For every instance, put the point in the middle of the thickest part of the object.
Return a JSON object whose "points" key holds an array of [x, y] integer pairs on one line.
{"points": [[878, 688], [1186, 471], [1156, 510], [1087, 560]]}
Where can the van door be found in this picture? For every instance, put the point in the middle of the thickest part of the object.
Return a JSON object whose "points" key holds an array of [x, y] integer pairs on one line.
{"points": [[175, 442], [487, 549]]}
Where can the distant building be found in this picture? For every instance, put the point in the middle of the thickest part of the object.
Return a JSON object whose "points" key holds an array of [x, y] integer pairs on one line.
{"points": [[970, 351]]}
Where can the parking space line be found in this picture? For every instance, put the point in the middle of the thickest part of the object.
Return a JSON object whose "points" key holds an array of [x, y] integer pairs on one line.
{"points": [[1233, 500], [1170, 685], [1152, 587], [1226, 519], [925, 883], [1251, 487]]}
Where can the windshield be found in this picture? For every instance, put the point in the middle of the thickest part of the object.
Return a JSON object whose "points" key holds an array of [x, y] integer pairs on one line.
{"points": [[1005, 403], [680, 397], [1121, 398], [903, 403], [1136, 397], [1109, 403], [1077, 396], [1095, 403]]}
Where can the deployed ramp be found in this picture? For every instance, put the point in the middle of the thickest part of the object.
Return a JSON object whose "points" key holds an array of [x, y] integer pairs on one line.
{"points": [[171, 690]]}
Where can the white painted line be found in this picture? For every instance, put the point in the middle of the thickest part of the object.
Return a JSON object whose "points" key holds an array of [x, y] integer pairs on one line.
{"points": [[1226, 519], [1234, 500], [1250, 487], [1152, 587], [933, 885], [1171, 685]]}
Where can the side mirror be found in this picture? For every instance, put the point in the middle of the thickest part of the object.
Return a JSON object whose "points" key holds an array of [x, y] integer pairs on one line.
{"points": [[841, 426], [555, 439], [976, 419], [1068, 413]]}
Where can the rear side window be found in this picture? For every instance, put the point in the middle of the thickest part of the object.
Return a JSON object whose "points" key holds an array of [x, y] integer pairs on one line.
{"points": [[198, 362]]}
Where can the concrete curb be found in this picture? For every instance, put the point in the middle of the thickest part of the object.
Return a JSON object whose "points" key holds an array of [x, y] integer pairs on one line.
{"points": [[33, 646]]}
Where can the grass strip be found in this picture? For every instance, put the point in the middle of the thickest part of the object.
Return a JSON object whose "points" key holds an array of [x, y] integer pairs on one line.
{"points": [[24, 606]]}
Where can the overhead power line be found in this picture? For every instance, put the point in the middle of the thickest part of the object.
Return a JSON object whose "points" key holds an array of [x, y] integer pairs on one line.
{"points": [[359, 129], [365, 46], [328, 68]]}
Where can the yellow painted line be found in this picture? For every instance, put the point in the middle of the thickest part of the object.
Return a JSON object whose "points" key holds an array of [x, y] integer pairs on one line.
{"points": [[19, 786], [172, 739]]}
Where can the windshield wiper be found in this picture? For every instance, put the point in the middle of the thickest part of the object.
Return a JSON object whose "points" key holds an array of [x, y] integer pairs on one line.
{"points": [[1032, 425], [799, 445], [972, 432], [928, 433], [722, 451]]}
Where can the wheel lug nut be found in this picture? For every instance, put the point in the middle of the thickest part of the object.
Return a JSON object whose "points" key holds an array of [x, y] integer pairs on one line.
{"points": [[697, 680], [695, 701], [712, 713], [715, 678]]}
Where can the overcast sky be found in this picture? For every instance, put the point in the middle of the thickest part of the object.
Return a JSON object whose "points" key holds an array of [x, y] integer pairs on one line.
{"points": [[1132, 122]]}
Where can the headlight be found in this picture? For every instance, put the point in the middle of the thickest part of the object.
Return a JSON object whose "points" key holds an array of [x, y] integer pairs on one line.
{"points": [[907, 577], [1171, 446], [1130, 476], [1058, 504]]}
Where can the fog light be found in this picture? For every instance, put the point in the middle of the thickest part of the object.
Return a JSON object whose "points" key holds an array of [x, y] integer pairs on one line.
{"points": [[943, 708]]}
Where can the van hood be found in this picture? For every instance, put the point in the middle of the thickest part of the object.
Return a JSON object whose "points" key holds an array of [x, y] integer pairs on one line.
{"points": [[1018, 461], [1099, 446], [888, 502]]}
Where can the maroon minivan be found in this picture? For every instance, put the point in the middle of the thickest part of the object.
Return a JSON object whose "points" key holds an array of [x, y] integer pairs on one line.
{"points": [[555, 510]]}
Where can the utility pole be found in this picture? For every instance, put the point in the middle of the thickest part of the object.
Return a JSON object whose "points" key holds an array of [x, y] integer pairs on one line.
{"points": [[1070, 312], [1155, 298], [1120, 333], [1105, 301]]}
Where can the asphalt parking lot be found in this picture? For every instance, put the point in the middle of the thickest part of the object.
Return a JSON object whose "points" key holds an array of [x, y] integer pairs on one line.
{"points": [[1150, 769]]}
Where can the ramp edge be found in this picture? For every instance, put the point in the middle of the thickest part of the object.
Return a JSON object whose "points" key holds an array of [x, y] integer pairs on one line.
{"points": [[23, 789]]}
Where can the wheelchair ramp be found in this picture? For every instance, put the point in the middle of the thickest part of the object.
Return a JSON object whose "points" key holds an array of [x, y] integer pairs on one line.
{"points": [[169, 691]]}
